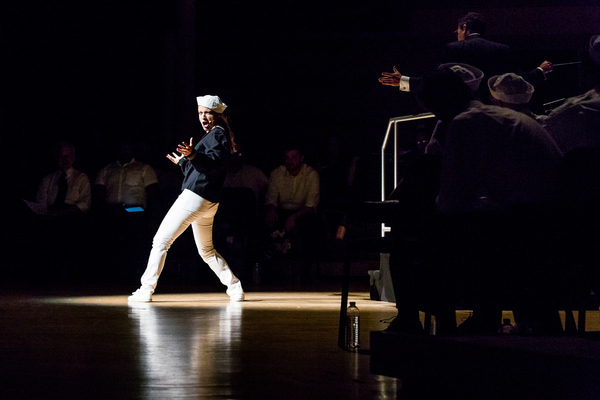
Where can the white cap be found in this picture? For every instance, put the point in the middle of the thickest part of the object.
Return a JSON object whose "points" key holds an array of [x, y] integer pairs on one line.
{"points": [[469, 74], [212, 102], [510, 88], [595, 48]]}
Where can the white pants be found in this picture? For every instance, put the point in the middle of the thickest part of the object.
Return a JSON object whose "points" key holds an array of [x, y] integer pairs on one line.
{"points": [[189, 209]]}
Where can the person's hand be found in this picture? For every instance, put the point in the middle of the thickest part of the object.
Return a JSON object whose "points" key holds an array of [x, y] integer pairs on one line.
{"points": [[186, 149], [546, 66], [174, 157], [391, 78], [290, 223]]}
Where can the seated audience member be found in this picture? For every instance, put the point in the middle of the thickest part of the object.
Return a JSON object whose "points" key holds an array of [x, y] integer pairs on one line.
{"points": [[494, 159], [291, 203], [126, 182], [65, 192], [242, 174], [63, 199], [575, 123], [126, 196], [511, 91]]}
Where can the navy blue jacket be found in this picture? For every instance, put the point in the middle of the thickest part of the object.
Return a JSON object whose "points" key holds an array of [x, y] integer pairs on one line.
{"points": [[204, 172]]}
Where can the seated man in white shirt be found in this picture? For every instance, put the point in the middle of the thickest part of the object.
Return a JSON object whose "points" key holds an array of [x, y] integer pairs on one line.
{"points": [[292, 199], [126, 182], [66, 191], [122, 188], [61, 234]]}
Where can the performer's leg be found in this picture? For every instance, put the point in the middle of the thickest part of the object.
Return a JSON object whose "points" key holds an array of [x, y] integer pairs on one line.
{"points": [[203, 229], [176, 221]]}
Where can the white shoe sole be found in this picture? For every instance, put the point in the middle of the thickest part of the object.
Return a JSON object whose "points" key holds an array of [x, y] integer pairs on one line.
{"points": [[130, 300], [140, 296]]}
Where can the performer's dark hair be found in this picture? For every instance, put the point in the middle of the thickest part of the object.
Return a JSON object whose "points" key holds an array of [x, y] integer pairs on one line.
{"points": [[223, 119]]}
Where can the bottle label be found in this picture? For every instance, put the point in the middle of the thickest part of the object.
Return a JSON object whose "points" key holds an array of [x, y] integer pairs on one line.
{"points": [[353, 332]]}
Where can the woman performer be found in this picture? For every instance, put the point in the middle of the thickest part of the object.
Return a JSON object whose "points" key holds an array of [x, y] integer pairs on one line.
{"points": [[204, 166]]}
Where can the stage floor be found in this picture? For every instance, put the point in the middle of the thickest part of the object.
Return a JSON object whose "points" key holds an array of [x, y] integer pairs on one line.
{"points": [[274, 345], [281, 343]]}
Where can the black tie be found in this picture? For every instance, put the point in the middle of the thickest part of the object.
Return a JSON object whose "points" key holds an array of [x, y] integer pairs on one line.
{"points": [[62, 190]]}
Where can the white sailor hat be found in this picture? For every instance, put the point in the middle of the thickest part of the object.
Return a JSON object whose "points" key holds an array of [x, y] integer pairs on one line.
{"points": [[212, 102], [469, 74], [510, 88]]}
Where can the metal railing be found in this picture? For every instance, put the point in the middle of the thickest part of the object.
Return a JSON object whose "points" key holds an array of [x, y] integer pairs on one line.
{"points": [[393, 123]]}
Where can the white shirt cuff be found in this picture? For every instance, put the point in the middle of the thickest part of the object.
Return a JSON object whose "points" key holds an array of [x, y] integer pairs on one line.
{"points": [[543, 73], [404, 83]]}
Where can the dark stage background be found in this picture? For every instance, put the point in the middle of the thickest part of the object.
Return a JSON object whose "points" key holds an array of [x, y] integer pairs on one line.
{"points": [[96, 72]]}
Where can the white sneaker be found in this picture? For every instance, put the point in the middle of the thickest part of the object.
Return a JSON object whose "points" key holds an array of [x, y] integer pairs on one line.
{"points": [[141, 295], [237, 297]]}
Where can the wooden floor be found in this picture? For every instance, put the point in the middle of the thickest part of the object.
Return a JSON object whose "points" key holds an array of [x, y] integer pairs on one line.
{"points": [[281, 343], [90, 344]]}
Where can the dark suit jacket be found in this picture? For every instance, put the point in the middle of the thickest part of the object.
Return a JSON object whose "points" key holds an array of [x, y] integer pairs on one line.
{"points": [[490, 57]]}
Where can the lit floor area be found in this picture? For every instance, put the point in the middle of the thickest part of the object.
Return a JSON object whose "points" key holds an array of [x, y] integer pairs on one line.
{"points": [[274, 345], [278, 344]]}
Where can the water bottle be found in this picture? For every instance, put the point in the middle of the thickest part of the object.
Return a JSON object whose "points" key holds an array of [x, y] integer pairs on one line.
{"points": [[352, 327], [506, 328]]}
